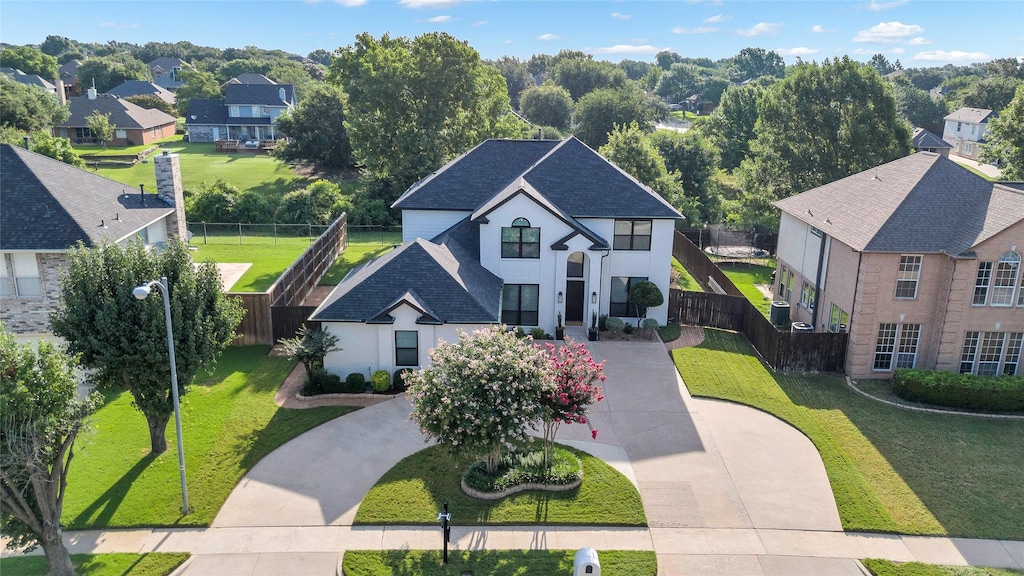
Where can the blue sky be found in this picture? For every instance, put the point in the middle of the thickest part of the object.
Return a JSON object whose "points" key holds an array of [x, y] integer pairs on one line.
{"points": [[917, 32]]}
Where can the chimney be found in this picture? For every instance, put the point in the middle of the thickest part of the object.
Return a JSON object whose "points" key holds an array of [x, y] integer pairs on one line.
{"points": [[280, 92], [170, 190], [92, 91], [60, 93]]}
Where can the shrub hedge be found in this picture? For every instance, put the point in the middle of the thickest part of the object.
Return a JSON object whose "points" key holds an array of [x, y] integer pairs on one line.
{"points": [[380, 381], [988, 393], [355, 383]]}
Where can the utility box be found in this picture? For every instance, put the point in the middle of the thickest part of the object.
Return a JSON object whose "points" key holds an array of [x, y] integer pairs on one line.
{"points": [[801, 327], [779, 314], [586, 562]]}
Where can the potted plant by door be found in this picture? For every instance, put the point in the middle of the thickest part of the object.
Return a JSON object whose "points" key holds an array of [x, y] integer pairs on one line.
{"points": [[592, 333], [559, 329]]}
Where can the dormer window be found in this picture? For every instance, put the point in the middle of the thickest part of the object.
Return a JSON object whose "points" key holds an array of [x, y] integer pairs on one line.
{"points": [[520, 240]]}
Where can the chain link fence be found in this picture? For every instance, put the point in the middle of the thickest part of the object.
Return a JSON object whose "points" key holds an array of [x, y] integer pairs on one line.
{"points": [[253, 234], [375, 234]]}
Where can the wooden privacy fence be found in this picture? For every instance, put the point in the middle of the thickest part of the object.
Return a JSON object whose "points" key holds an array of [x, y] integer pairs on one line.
{"points": [[782, 350], [278, 312]]}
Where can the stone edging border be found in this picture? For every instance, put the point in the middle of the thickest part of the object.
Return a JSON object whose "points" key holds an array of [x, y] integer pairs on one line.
{"points": [[299, 396], [519, 488], [852, 386]]}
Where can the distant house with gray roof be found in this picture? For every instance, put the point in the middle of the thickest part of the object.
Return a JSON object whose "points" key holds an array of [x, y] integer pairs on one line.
{"points": [[133, 124], [167, 72], [29, 79], [248, 112], [130, 88], [49, 207], [524, 233], [249, 78], [925, 141], [918, 259], [965, 131]]}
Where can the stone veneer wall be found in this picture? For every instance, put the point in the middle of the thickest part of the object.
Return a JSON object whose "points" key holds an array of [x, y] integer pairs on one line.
{"points": [[32, 315]]}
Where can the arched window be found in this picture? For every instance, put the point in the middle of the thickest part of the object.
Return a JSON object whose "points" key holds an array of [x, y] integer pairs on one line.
{"points": [[1004, 280], [520, 240]]}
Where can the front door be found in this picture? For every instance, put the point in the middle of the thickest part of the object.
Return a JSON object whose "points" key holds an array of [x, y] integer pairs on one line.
{"points": [[575, 296]]}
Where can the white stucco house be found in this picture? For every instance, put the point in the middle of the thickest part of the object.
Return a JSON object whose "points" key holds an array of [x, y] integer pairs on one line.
{"points": [[516, 232], [964, 130]]}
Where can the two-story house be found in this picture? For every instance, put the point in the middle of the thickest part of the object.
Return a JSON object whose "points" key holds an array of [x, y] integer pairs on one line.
{"points": [[518, 232], [248, 112], [965, 131], [167, 72], [50, 207], [918, 259]]}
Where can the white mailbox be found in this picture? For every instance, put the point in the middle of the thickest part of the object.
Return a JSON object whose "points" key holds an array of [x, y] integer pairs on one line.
{"points": [[586, 562]]}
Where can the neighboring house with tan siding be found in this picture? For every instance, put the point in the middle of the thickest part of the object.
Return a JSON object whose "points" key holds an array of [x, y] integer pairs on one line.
{"points": [[918, 259]]}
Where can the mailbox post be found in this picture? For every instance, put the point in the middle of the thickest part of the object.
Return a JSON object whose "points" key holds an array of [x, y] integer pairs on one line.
{"points": [[446, 529]]}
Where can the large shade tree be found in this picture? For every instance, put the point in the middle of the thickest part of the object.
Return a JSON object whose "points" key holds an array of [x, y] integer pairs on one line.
{"points": [[316, 129], [41, 418], [547, 105], [124, 340], [822, 123], [1005, 137], [598, 112], [28, 108], [415, 104]]}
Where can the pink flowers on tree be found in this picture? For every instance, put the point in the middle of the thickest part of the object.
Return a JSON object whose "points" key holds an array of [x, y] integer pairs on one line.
{"points": [[574, 375]]}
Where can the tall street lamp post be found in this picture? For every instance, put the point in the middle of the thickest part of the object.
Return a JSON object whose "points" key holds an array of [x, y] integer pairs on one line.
{"points": [[141, 292]]}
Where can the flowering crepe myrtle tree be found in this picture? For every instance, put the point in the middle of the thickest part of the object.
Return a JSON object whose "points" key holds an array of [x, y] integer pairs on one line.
{"points": [[481, 394], [574, 376]]}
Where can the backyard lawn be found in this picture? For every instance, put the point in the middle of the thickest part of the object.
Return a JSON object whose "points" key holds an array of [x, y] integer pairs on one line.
{"points": [[891, 470], [268, 261], [497, 562], [230, 422], [155, 564], [685, 280], [361, 248], [199, 163], [745, 276], [86, 150]]}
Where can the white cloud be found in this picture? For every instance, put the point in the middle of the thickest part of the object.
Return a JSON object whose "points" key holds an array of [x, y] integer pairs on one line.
{"points": [[349, 3], [760, 28], [620, 16], [897, 50], [919, 41], [548, 37], [818, 29], [887, 32], [875, 6], [480, 23], [627, 49], [717, 18], [863, 52], [428, 3], [800, 51], [698, 30], [439, 19], [951, 56], [116, 25]]}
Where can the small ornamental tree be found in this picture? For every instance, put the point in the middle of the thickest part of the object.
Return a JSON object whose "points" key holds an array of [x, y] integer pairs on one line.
{"points": [[310, 347], [574, 376], [644, 295], [481, 394], [99, 125]]}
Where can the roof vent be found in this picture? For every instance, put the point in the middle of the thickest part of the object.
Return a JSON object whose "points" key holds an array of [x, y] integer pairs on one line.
{"points": [[117, 217], [47, 214], [103, 224]]}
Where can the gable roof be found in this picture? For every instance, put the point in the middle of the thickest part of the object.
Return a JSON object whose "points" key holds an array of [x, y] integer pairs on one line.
{"points": [[166, 64], [69, 70], [259, 94], [427, 276], [123, 114], [141, 88], [50, 206], [250, 78], [567, 173], [206, 111], [925, 139], [30, 79], [920, 203], [970, 115]]}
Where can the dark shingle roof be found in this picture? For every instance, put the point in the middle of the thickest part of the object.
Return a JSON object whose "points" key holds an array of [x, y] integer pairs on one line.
{"points": [[166, 64], [250, 79], [568, 174], [920, 203], [141, 88], [50, 205], [925, 139], [206, 111], [30, 79], [428, 276], [69, 70], [259, 94], [970, 115], [123, 113]]}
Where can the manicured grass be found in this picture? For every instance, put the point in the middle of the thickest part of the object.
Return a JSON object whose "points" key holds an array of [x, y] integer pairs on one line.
{"points": [[268, 261], [361, 248], [152, 564], [199, 163], [890, 568], [670, 332], [413, 491], [229, 421], [891, 470], [492, 562], [976, 171], [745, 276], [86, 150], [686, 281]]}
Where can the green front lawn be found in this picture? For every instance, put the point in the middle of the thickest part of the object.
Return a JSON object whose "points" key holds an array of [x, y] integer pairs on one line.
{"points": [[199, 163], [745, 276], [492, 562], [890, 568], [891, 470], [229, 421], [86, 150], [153, 564], [268, 261], [413, 491]]}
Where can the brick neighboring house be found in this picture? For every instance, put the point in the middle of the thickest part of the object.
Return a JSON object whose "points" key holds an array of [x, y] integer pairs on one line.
{"points": [[49, 207], [918, 259], [133, 124], [247, 112], [68, 75], [964, 130]]}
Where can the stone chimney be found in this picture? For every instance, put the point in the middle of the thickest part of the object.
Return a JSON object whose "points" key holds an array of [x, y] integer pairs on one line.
{"points": [[170, 190], [60, 93]]}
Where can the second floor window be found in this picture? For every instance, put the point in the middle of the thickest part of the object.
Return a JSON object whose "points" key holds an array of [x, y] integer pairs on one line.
{"points": [[908, 276], [1004, 281], [981, 283], [520, 240], [632, 235]]}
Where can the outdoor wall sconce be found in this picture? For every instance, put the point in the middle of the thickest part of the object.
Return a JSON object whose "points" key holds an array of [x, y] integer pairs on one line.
{"points": [[593, 297], [560, 297]]}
